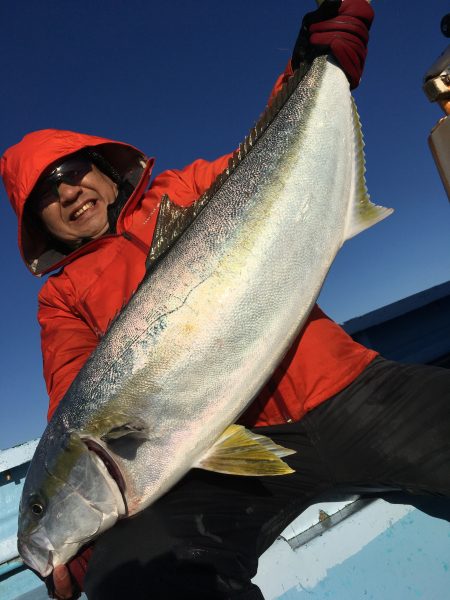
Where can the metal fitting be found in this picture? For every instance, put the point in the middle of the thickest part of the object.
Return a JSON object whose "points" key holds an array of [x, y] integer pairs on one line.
{"points": [[437, 79]]}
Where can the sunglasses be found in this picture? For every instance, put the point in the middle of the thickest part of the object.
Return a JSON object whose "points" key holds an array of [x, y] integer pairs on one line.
{"points": [[71, 171]]}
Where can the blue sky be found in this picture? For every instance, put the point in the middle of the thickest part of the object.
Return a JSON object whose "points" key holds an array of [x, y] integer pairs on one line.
{"points": [[187, 79]]}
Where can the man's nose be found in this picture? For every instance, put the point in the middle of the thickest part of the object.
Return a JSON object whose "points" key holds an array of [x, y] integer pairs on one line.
{"points": [[68, 192]]}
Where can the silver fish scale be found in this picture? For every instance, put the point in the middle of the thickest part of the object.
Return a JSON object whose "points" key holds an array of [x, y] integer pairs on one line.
{"points": [[208, 326]]}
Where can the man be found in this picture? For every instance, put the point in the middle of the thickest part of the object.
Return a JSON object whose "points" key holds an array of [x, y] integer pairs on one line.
{"points": [[84, 210]]}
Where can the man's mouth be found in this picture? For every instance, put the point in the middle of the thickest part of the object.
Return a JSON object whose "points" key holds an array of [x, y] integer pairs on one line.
{"points": [[86, 206]]}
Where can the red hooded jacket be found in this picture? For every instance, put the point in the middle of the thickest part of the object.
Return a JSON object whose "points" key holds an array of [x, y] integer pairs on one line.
{"points": [[93, 283]]}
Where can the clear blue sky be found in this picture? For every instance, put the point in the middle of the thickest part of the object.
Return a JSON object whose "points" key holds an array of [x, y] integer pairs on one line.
{"points": [[184, 79]]}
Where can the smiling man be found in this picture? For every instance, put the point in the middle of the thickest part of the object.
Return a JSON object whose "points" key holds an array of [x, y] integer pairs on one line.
{"points": [[72, 199], [86, 217]]}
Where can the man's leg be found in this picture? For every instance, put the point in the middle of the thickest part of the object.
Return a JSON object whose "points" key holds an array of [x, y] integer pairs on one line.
{"points": [[390, 428]]}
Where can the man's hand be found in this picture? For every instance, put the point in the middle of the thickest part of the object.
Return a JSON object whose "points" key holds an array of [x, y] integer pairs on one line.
{"points": [[341, 27]]}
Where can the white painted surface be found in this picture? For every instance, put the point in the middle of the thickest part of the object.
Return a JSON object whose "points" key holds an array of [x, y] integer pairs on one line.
{"points": [[8, 549], [281, 568], [13, 457]]}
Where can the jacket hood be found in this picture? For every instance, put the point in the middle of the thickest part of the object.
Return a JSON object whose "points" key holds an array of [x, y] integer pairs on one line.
{"points": [[23, 164]]}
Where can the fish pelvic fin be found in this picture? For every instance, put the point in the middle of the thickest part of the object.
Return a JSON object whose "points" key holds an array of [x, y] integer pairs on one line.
{"points": [[363, 212], [239, 451]]}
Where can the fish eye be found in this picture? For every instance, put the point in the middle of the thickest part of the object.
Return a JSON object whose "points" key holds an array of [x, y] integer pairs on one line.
{"points": [[36, 507]]}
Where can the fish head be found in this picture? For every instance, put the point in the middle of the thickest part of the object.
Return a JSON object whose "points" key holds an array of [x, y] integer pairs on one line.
{"points": [[68, 499]]}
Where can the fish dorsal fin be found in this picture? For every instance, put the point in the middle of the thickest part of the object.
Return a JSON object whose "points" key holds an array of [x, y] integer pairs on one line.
{"points": [[265, 119], [363, 213], [239, 451], [173, 219]]}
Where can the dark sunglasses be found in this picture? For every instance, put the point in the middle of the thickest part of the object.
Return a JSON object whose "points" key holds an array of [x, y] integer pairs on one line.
{"points": [[71, 171]]}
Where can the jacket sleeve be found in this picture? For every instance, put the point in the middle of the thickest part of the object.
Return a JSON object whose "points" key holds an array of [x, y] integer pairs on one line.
{"points": [[66, 341], [282, 79]]}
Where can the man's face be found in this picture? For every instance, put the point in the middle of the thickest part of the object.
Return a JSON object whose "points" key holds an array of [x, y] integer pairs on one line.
{"points": [[78, 210]]}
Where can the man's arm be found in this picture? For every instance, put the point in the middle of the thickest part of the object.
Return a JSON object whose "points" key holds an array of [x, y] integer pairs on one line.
{"points": [[66, 342]]}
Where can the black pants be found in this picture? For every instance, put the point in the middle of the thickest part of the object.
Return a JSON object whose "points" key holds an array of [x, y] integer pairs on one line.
{"points": [[389, 430]]}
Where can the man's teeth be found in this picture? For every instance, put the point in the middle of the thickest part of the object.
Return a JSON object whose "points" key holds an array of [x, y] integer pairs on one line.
{"points": [[83, 209]]}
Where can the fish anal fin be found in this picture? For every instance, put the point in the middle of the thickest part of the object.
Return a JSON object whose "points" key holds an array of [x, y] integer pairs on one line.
{"points": [[239, 451], [363, 213]]}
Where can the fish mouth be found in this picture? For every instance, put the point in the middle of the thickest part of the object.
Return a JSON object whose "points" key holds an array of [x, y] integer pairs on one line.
{"points": [[110, 466], [34, 556]]}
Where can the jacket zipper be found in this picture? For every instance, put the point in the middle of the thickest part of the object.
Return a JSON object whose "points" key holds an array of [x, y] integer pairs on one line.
{"points": [[279, 401], [136, 241], [281, 405]]}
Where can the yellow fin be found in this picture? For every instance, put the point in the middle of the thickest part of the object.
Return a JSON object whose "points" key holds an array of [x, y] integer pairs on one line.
{"points": [[239, 451], [363, 213]]}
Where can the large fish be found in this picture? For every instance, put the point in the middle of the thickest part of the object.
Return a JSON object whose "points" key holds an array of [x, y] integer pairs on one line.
{"points": [[214, 316]]}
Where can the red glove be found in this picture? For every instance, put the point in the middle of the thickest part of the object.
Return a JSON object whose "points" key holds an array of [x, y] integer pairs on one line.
{"points": [[69, 584], [339, 27], [79, 564]]}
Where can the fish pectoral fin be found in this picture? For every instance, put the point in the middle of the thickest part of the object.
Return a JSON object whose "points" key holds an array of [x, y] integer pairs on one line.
{"points": [[239, 451], [136, 429]]}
